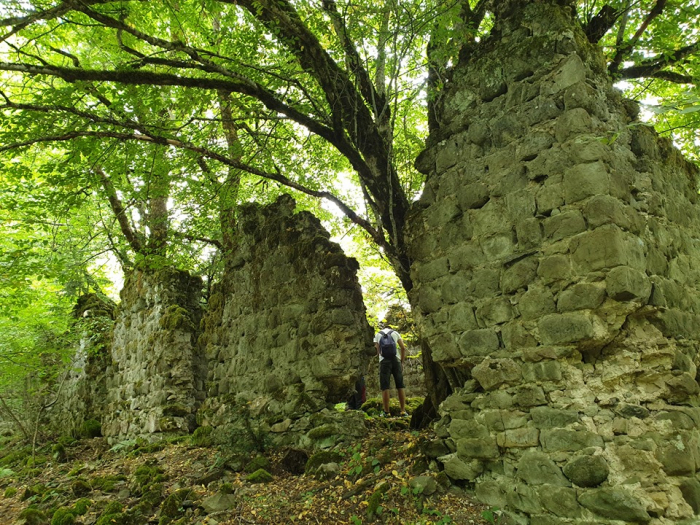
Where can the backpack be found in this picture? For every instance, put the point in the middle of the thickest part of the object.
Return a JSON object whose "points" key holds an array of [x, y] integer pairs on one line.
{"points": [[387, 345]]}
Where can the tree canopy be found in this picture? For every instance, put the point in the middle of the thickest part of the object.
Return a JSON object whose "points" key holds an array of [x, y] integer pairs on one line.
{"points": [[136, 127]]}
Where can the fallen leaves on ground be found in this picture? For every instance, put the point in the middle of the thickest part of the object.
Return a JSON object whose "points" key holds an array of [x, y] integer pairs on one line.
{"points": [[372, 485]]}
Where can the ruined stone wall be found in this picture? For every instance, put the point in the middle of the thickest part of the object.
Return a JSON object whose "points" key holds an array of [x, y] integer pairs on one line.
{"points": [[156, 381], [286, 333], [556, 249], [82, 389]]}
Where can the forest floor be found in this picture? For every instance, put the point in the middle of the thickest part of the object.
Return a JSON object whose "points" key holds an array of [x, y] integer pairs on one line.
{"points": [[374, 480]]}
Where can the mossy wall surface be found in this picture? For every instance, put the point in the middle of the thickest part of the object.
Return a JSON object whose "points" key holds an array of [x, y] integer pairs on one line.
{"points": [[82, 389], [556, 250], [286, 333], [155, 380]]}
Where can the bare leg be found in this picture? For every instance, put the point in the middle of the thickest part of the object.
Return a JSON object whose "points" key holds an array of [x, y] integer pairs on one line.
{"points": [[402, 399], [385, 400]]}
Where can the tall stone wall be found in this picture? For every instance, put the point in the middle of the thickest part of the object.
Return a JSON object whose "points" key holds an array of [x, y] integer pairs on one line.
{"points": [[556, 249], [286, 333], [156, 380], [82, 388]]}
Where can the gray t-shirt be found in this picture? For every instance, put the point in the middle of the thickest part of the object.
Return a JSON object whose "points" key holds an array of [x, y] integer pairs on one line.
{"points": [[395, 336]]}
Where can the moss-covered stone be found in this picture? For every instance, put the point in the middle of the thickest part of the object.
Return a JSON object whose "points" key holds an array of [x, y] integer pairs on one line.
{"points": [[146, 475], [59, 453], [106, 483], [320, 458], [259, 462], [202, 437], [90, 428], [81, 506], [63, 516], [32, 516], [176, 318], [259, 476], [113, 507], [172, 506]]}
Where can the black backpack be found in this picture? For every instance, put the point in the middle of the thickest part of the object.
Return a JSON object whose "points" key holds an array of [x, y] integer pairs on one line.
{"points": [[387, 345]]}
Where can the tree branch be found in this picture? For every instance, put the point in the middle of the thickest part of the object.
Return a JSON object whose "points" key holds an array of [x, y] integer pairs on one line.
{"points": [[119, 211], [601, 23], [625, 49]]}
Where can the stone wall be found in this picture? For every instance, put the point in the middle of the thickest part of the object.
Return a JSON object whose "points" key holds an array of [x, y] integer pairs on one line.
{"points": [[556, 250], [156, 380], [82, 388], [286, 334]]}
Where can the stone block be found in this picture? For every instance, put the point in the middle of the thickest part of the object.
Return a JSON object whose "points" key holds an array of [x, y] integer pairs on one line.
{"points": [[519, 275], [548, 417], [581, 296], [537, 468], [462, 318], [518, 438], [615, 503], [542, 371], [524, 498], [554, 268], [445, 348], [690, 488], [520, 205], [465, 257], [529, 396], [495, 311], [586, 180], [549, 197], [429, 300], [587, 471], [500, 420], [432, 270], [627, 284], [557, 329], [556, 440], [467, 428], [491, 373], [478, 342], [492, 492], [560, 501], [571, 123], [570, 72], [498, 246], [454, 288], [514, 335], [528, 233], [564, 225], [677, 457], [475, 448], [607, 247], [460, 470], [604, 209], [535, 303], [486, 282]]}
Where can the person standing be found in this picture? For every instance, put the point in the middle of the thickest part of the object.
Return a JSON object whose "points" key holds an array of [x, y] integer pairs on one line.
{"points": [[386, 342]]}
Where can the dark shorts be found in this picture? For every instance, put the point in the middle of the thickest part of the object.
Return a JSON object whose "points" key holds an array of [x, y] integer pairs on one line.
{"points": [[388, 368]]}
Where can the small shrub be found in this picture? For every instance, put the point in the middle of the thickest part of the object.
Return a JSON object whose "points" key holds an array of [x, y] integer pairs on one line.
{"points": [[10, 492]]}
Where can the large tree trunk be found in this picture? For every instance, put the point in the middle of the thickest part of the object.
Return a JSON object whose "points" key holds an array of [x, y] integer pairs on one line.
{"points": [[554, 245]]}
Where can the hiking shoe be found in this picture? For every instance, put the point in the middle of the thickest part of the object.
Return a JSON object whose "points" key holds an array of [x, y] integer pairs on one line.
{"points": [[403, 414]]}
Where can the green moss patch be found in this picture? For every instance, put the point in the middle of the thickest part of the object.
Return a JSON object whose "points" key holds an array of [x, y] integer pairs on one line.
{"points": [[259, 476]]}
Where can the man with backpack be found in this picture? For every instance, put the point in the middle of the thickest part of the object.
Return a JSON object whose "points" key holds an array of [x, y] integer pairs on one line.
{"points": [[385, 342]]}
